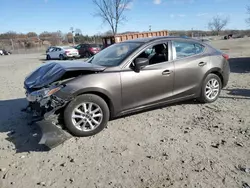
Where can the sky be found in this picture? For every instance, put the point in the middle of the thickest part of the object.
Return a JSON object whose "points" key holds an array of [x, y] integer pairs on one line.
{"points": [[23, 16]]}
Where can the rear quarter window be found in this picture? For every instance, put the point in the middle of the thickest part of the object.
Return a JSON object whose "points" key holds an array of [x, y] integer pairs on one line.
{"points": [[186, 49]]}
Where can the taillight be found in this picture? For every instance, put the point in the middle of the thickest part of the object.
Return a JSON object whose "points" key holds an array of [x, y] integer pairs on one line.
{"points": [[91, 49], [66, 52], [226, 56]]}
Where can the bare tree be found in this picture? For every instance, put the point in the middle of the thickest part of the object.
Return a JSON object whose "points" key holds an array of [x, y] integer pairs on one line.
{"points": [[108, 33], [217, 24], [112, 11], [78, 31]]}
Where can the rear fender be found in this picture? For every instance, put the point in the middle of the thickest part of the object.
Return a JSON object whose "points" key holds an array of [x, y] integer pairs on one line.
{"points": [[215, 69]]}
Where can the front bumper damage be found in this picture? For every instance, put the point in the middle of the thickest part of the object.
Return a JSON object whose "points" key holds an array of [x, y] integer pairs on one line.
{"points": [[46, 114]]}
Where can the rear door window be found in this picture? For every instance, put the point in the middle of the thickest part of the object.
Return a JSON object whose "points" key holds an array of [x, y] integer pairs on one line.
{"points": [[53, 50], [186, 49]]}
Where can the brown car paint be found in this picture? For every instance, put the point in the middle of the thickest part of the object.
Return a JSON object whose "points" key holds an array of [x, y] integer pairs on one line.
{"points": [[128, 91]]}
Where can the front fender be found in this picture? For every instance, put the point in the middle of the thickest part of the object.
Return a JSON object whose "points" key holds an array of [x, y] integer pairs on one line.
{"points": [[107, 86]]}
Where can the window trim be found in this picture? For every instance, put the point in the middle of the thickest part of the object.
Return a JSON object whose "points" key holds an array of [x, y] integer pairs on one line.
{"points": [[127, 63], [174, 50]]}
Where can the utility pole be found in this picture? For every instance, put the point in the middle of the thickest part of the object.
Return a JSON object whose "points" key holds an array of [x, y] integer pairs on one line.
{"points": [[12, 44], [72, 30]]}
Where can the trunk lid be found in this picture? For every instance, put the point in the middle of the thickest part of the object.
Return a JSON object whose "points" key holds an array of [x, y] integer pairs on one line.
{"points": [[52, 72]]}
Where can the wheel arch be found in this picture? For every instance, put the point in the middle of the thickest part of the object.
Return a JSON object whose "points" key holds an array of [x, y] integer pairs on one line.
{"points": [[101, 93], [216, 71]]}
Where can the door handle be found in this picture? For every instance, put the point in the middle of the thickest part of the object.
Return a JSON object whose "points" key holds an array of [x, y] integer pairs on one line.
{"points": [[201, 64], [166, 72]]}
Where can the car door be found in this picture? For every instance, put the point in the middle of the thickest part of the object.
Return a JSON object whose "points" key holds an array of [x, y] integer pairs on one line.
{"points": [[191, 64], [52, 53], [58, 52], [153, 84], [80, 49], [85, 48]]}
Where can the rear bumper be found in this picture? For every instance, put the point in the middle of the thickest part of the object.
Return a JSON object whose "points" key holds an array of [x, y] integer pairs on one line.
{"points": [[72, 55], [94, 52]]}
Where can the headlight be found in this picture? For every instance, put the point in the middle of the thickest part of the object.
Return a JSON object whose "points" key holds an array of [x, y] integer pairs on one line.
{"points": [[50, 91], [43, 93]]}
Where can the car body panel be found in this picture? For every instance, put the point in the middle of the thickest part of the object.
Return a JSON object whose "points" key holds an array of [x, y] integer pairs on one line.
{"points": [[65, 51], [137, 87], [189, 75], [85, 48], [126, 90], [53, 71], [106, 83]]}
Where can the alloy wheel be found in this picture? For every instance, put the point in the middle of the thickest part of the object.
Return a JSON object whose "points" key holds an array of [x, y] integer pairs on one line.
{"points": [[87, 116], [212, 89]]}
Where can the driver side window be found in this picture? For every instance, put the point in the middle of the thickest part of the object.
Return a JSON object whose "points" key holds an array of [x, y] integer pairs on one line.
{"points": [[155, 54]]}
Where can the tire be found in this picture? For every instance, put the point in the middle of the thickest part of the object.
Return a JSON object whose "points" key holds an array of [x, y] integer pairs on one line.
{"points": [[211, 78], [48, 57], [77, 103], [61, 57], [88, 55]]}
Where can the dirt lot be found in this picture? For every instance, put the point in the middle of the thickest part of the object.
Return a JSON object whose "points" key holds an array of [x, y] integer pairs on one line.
{"points": [[183, 145]]}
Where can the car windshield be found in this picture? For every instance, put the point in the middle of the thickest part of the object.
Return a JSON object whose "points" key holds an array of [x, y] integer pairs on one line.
{"points": [[114, 54]]}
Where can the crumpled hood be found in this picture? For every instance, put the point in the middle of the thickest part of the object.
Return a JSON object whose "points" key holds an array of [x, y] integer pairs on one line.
{"points": [[51, 72]]}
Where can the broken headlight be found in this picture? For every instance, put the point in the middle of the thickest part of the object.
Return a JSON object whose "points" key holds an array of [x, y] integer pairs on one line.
{"points": [[42, 93]]}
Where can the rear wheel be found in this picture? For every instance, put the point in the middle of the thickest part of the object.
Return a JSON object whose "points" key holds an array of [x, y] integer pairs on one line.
{"points": [[61, 57], [211, 89], [86, 115]]}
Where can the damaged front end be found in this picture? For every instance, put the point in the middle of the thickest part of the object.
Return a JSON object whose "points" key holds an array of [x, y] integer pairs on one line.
{"points": [[46, 108], [47, 100]]}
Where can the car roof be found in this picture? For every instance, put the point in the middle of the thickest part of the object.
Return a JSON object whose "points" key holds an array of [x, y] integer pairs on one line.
{"points": [[151, 39], [65, 47]]}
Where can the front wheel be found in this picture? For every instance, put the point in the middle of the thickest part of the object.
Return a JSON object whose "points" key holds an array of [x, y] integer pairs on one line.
{"points": [[211, 89], [86, 115], [48, 57]]}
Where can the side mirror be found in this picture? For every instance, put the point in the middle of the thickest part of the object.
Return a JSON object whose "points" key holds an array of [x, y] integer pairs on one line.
{"points": [[140, 63]]}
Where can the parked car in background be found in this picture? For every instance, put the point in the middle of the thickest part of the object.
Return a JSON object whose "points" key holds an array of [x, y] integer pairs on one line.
{"points": [[101, 46], [127, 77], [49, 49], [88, 50], [62, 53], [4, 52]]}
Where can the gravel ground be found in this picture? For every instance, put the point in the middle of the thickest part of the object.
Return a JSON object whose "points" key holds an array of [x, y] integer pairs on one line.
{"points": [[182, 145]]}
